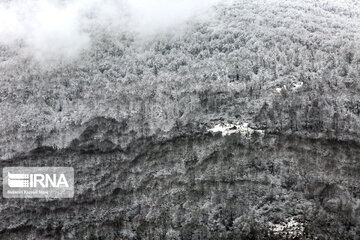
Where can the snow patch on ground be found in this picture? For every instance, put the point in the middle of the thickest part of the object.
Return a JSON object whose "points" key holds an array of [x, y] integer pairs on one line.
{"points": [[297, 85], [228, 129], [279, 89], [294, 86], [291, 228]]}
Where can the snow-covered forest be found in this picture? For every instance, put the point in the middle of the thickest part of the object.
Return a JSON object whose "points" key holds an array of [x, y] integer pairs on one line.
{"points": [[283, 65], [161, 72]]}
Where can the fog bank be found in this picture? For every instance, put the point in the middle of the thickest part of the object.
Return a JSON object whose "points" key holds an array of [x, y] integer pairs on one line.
{"points": [[50, 29]]}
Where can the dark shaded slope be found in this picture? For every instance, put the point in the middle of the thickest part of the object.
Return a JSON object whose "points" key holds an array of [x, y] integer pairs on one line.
{"points": [[242, 62], [196, 185]]}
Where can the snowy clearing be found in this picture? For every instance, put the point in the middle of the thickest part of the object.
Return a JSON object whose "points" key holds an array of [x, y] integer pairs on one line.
{"points": [[228, 129], [292, 228]]}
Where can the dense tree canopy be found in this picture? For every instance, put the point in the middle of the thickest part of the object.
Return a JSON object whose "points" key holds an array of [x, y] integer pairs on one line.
{"points": [[285, 66]]}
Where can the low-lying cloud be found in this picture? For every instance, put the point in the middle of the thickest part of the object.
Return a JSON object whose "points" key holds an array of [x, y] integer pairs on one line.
{"points": [[60, 28]]}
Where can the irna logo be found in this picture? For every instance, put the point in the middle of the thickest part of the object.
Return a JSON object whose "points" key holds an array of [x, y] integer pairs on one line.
{"points": [[38, 182], [18, 180]]}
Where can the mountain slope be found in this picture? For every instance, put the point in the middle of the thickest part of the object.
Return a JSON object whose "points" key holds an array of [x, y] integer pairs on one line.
{"points": [[135, 111]]}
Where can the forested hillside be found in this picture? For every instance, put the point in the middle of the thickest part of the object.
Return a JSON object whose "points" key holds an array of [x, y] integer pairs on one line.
{"points": [[287, 69], [242, 63]]}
